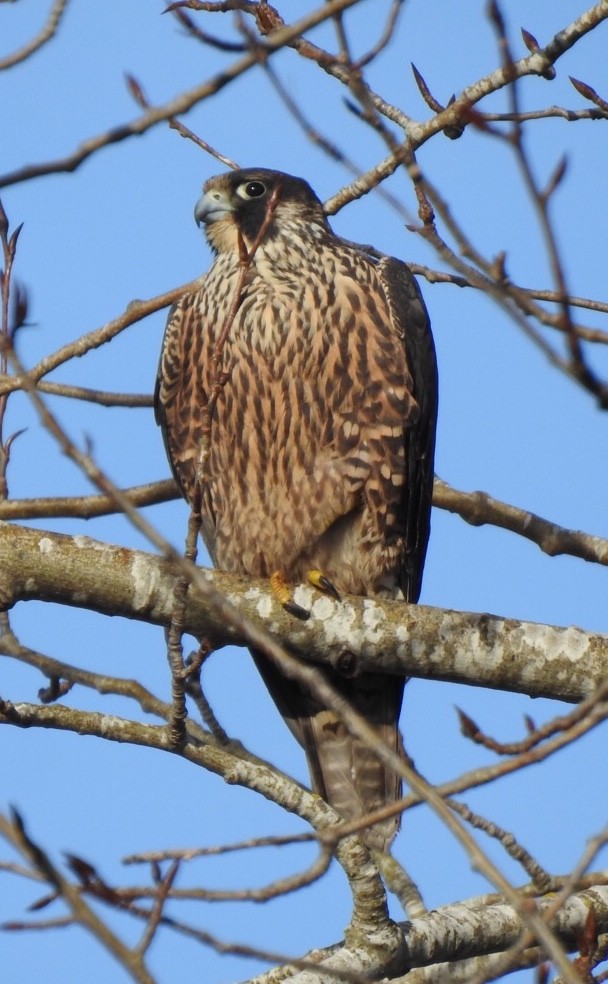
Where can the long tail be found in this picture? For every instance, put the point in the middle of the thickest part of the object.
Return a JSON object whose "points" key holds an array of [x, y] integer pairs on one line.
{"points": [[343, 769]]}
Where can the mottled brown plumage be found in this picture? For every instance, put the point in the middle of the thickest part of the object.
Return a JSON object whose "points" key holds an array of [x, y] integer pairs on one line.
{"points": [[321, 447]]}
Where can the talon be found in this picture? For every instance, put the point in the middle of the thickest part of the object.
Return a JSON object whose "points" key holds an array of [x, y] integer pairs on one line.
{"points": [[282, 593], [296, 610], [320, 581]]}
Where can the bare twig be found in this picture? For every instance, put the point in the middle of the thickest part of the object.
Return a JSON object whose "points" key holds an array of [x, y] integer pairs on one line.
{"points": [[194, 31], [589, 93], [14, 831], [479, 508], [517, 292], [578, 367], [175, 651], [192, 677], [539, 877], [135, 311], [88, 506], [47, 32], [273, 890], [162, 893], [184, 131], [385, 38], [12, 316], [534, 64], [279, 38], [102, 398]]}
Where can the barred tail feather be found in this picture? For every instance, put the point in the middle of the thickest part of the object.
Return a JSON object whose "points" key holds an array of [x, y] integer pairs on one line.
{"points": [[344, 771]]}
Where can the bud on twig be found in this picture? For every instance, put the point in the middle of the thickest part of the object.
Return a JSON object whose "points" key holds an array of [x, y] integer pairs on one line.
{"points": [[136, 91], [529, 40], [425, 92], [556, 178], [468, 728], [589, 93]]}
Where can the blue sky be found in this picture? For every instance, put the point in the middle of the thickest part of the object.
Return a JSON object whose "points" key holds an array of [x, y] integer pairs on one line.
{"points": [[120, 228]]}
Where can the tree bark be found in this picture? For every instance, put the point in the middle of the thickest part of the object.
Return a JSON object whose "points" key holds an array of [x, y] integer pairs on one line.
{"points": [[354, 634]]}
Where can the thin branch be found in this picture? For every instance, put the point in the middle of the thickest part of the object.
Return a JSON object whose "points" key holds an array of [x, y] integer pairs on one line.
{"points": [[135, 311], [47, 32], [516, 291], [174, 636], [579, 369], [132, 961], [385, 38], [88, 506], [192, 853], [273, 890], [279, 38], [102, 398], [209, 39], [194, 690], [534, 64], [559, 112], [593, 711], [156, 914], [539, 877], [188, 134], [479, 508]]}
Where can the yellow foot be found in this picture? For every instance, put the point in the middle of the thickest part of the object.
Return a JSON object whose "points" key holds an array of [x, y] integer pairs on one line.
{"points": [[319, 580], [282, 593]]}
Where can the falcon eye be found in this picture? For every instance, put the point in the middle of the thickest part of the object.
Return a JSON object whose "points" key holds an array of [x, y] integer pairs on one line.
{"points": [[252, 189]]}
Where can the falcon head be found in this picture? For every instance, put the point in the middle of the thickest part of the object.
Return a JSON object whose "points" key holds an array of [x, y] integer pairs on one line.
{"points": [[240, 201]]}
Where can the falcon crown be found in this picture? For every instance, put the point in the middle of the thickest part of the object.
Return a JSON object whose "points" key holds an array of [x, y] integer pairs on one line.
{"points": [[239, 201]]}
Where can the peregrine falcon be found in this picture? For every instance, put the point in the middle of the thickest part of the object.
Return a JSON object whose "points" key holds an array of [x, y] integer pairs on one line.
{"points": [[305, 367]]}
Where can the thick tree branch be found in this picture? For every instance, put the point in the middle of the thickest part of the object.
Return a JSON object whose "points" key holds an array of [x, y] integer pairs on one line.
{"points": [[461, 932], [430, 940], [353, 635]]}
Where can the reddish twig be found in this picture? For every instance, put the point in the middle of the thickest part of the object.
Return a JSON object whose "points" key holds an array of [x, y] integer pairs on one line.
{"points": [[588, 92], [195, 32], [578, 366], [13, 315]]}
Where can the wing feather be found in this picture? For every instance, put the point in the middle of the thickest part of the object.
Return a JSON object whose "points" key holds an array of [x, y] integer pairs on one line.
{"points": [[411, 320]]}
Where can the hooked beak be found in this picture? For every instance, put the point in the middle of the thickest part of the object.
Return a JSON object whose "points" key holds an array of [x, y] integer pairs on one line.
{"points": [[212, 206]]}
